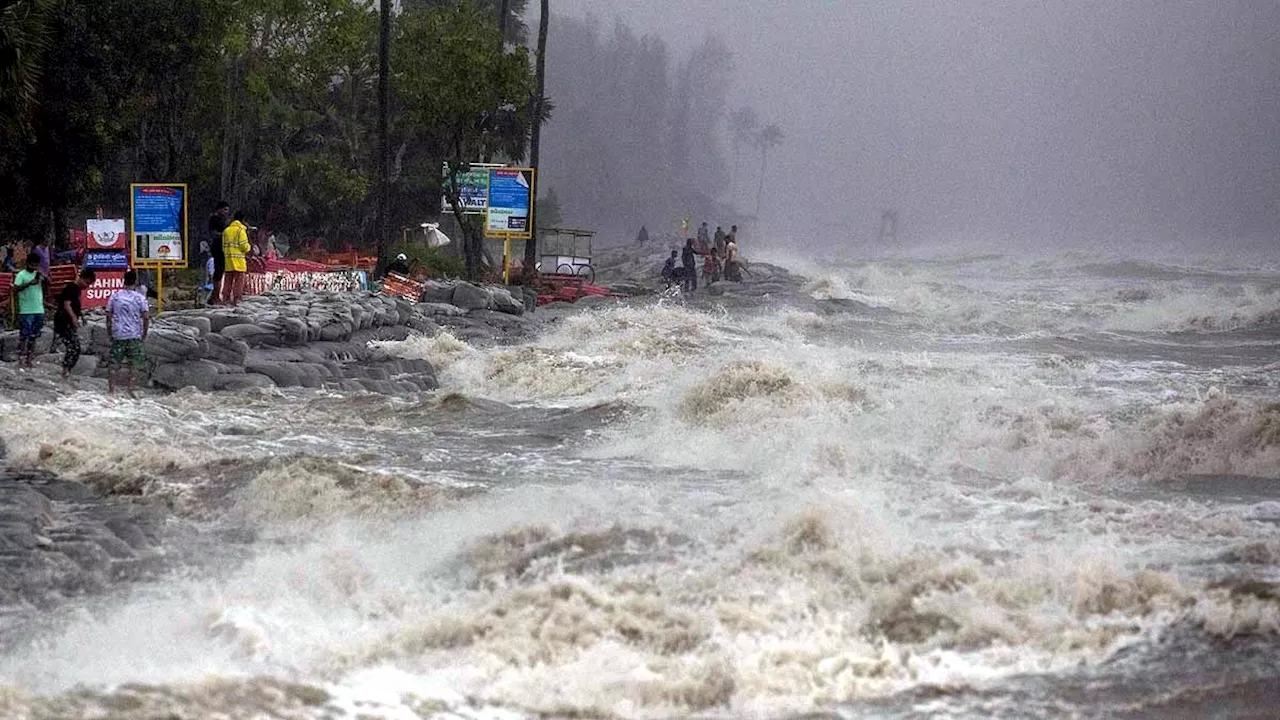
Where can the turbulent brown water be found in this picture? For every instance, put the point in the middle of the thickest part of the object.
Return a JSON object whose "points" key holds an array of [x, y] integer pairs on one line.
{"points": [[972, 487]]}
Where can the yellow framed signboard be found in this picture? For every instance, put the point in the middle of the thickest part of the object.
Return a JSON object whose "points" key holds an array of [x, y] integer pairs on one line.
{"points": [[510, 201], [158, 225]]}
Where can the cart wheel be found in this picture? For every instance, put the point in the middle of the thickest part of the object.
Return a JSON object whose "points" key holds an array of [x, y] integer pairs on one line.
{"points": [[565, 269], [587, 272]]}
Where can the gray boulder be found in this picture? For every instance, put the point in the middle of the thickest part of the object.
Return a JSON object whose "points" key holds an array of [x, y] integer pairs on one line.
{"points": [[432, 308], [436, 291], [282, 374], [503, 302], [86, 366], [424, 325], [471, 297], [175, 343], [253, 335], [225, 350], [199, 374], [199, 323], [336, 331], [221, 319], [247, 381]]}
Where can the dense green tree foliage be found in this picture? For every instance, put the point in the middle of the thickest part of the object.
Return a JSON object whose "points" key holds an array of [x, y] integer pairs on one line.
{"points": [[269, 104]]}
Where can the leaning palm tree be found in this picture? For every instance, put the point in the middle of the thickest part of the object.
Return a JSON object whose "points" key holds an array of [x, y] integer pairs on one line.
{"points": [[770, 137], [24, 37], [743, 125]]}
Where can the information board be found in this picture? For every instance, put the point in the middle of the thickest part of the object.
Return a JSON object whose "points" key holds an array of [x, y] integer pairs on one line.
{"points": [[158, 224], [509, 191], [473, 188]]}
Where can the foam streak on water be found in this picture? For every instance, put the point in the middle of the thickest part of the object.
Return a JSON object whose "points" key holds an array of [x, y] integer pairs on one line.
{"points": [[916, 486]]}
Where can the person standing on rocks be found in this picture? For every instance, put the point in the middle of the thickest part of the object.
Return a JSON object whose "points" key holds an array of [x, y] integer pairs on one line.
{"points": [[127, 326], [399, 266], [217, 223], [29, 287], [689, 260], [66, 319], [669, 270], [235, 251], [704, 238], [732, 263], [719, 240]]}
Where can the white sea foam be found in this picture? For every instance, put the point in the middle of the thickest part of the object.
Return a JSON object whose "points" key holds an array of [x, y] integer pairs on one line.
{"points": [[817, 518]]}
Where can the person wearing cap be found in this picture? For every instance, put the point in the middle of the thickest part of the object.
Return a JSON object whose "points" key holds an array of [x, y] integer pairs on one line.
{"points": [[399, 266]]}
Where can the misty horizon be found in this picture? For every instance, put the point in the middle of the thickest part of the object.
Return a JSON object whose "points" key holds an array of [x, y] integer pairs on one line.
{"points": [[989, 121]]}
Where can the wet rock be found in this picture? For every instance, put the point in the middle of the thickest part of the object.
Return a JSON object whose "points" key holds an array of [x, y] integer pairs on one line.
{"points": [[497, 319], [199, 374], [87, 366], [201, 324], [172, 344], [439, 292], [247, 381], [437, 309], [424, 325], [282, 374], [220, 320], [251, 334], [335, 331], [471, 297], [225, 350], [9, 345], [503, 302]]}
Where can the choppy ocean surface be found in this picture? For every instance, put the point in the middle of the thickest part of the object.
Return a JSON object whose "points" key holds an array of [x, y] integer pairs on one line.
{"points": [[975, 487]]}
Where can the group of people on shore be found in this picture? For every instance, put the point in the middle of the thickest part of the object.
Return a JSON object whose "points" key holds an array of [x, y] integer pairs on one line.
{"points": [[719, 254], [128, 319], [227, 251]]}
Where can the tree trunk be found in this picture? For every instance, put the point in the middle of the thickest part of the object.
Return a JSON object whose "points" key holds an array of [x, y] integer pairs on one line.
{"points": [[535, 139], [471, 248], [384, 140], [764, 163], [503, 9]]}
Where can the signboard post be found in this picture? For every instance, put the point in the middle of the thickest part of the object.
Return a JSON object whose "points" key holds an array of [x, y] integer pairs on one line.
{"points": [[507, 217], [158, 229]]}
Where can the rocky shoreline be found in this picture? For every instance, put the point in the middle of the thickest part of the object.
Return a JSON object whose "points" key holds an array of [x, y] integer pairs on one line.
{"points": [[61, 539], [311, 339]]}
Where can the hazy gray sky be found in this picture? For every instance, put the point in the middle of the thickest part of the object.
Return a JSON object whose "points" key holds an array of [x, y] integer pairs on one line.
{"points": [[989, 119]]}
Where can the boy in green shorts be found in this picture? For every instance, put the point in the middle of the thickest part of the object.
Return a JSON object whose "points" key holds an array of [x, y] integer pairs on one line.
{"points": [[127, 325], [29, 286]]}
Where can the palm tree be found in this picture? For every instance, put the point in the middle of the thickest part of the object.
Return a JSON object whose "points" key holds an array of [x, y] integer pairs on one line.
{"points": [[770, 137], [743, 124], [24, 37]]}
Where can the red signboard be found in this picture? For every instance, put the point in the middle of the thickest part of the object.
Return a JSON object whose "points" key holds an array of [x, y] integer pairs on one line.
{"points": [[106, 235], [97, 294]]}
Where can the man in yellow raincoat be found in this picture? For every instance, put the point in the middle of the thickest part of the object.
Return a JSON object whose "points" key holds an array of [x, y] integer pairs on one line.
{"points": [[235, 248]]}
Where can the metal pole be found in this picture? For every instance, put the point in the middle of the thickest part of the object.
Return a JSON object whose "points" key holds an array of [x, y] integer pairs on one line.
{"points": [[535, 138], [384, 148]]}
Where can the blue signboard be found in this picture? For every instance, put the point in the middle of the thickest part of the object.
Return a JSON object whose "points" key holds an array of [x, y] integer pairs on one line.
{"points": [[105, 260], [158, 228], [509, 191]]}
